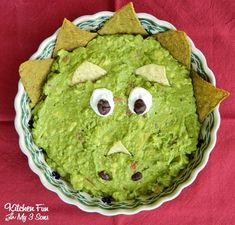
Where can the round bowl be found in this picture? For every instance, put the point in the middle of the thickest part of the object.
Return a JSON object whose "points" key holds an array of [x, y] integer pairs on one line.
{"points": [[83, 200]]}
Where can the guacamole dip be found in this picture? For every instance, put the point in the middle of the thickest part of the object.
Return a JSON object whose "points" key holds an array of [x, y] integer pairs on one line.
{"points": [[77, 140]]}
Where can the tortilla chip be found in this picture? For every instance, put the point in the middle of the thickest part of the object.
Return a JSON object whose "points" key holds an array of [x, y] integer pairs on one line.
{"points": [[207, 96], [87, 71], [124, 21], [154, 72], [33, 75], [117, 148], [71, 37], [177, 44]]}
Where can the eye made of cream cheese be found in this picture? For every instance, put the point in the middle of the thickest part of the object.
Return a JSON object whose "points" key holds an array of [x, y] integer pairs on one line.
{"points": [[101, 102], [139, 101]]}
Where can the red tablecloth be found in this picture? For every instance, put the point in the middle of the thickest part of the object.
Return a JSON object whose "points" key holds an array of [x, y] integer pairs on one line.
{"points": [[210, 200]]}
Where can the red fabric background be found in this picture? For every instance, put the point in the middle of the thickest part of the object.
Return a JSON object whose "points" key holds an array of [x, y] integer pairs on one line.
{"points": [[210, 200]]}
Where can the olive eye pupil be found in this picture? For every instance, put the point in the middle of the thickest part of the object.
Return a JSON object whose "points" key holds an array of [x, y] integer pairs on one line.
{"points": [[103, 107], [139, 106]]}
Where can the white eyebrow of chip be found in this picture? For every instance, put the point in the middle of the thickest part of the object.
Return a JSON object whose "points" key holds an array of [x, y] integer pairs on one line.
{"points": [[153, 72], [87, 71]]}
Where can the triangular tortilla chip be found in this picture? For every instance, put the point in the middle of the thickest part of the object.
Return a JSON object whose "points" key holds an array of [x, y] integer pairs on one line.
{"points": [[124, 21], [71, 37], [33, 75], [117, 148], [207, 96], [87, 71], [154, 72], [177, 44]]}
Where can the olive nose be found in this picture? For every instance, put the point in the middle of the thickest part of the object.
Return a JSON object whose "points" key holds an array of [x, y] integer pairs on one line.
{"points": [[118, 147]]}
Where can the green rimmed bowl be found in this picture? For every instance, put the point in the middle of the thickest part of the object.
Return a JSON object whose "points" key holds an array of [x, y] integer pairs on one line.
{"points": [[94, 204]]}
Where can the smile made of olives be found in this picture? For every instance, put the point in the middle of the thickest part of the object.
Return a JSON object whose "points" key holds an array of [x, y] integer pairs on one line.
{"points": [[136, 176], [103, 107], [139, 106], [105, 176]]}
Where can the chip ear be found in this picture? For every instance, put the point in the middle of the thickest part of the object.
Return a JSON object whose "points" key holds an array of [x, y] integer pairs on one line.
{"points": [[123, 21], [177, 44], [71, 37], [207, 96]]}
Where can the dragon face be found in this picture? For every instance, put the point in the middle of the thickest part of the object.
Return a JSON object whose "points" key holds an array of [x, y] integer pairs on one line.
{"points": [[118, 115], [78, 140]]}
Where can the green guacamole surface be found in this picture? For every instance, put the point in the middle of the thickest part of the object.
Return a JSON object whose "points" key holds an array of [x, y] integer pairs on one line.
{"points": [[77, 140]]}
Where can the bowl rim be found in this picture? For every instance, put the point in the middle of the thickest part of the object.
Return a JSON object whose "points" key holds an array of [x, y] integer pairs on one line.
{"points": [[139, 208]]}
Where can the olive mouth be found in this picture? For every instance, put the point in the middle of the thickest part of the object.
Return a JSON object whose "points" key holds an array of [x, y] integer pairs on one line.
{"points": [[104, 175]]}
